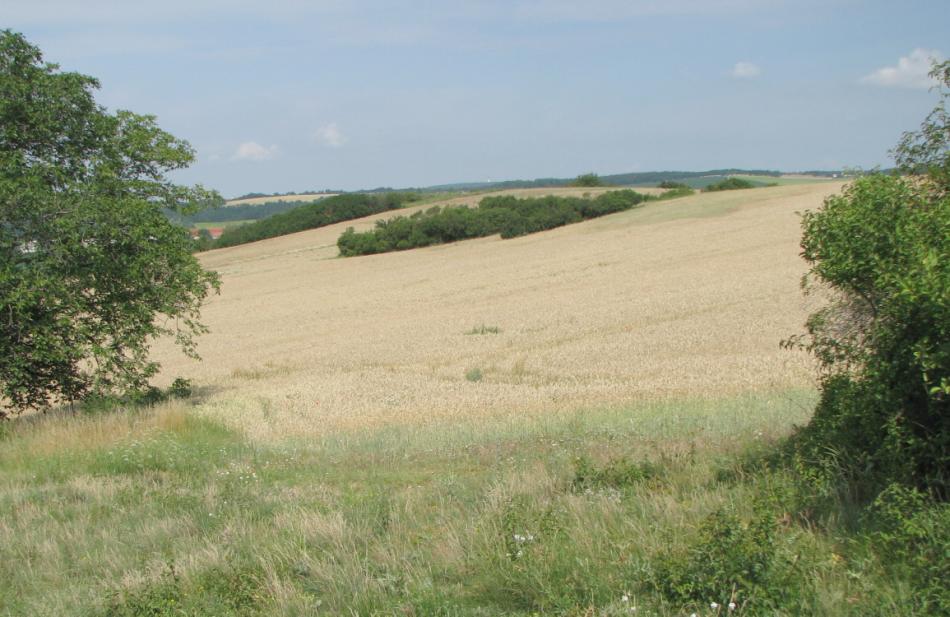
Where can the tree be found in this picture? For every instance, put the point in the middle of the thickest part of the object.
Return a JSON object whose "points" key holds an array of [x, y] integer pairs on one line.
{"points": [[882, 248], [91, 270], [587, 180]]}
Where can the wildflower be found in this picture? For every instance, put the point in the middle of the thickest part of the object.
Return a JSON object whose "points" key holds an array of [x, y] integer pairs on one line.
{"points": [[625, 598], [713, 605], [732, 606]]}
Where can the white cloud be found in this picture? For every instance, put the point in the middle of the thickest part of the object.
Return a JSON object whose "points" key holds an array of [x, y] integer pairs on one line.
{"points": [[911, 71], [746, 70], [330, 135], [253, 151]]}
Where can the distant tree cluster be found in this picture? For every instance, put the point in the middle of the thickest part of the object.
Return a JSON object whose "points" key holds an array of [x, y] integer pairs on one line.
{"points": [[672, 184], [317, 214], [588, 180], [241, 212], [729, 184], [505, 215]]}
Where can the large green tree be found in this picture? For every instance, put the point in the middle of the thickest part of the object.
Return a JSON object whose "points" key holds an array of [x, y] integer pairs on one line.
{"points": [[91, 270]]}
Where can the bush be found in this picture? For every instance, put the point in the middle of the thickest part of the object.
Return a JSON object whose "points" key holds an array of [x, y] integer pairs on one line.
{"points": [[883, 248], [318, 214], [731, 560], [729, 184], [590, 179], [504, 214]]}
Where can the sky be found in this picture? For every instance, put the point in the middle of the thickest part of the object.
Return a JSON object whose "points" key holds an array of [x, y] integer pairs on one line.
{"points": [[292, 95]]}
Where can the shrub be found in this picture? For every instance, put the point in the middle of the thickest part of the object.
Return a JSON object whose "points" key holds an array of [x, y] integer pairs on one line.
{"points": [[731, 560], [882, 248], [505, 215], [590, 179], [317, 214], [616, 474], [729, 184]]}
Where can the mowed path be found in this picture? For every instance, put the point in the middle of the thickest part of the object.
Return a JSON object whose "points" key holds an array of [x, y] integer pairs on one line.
{"points": [[682, 298]]}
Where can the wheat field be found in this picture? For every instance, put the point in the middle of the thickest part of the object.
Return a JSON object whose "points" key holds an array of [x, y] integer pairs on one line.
{"points": [[253, 201], [684, 298]]}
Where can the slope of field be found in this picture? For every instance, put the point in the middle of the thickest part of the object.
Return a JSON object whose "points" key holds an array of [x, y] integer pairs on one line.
{"points": [[271, 198], [682, 298]]}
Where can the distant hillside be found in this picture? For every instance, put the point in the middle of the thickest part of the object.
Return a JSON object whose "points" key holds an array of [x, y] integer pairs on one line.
{"points": [[251, 199], [697, 179]]}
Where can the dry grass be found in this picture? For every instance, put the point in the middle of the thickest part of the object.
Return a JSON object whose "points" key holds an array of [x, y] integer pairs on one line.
{"points": [[682, 298]]}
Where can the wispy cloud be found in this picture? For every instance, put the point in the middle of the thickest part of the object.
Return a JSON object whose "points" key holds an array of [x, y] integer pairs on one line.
{"points": [[253, 151], [330, 135], [911, 71], [746, 70]]}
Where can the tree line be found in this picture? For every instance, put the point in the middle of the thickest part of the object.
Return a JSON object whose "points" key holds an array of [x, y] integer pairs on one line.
{"points": [[317, 214], [505, 215]]}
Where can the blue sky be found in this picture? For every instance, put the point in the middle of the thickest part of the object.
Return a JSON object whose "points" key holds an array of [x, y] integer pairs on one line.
{"points": [[290, 95]]}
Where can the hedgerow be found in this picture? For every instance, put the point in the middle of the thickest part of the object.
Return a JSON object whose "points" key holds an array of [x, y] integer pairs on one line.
{"points": [[319, 214], [505, 215]]}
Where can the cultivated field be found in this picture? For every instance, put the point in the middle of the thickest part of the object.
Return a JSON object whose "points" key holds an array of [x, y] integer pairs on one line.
{"points": [[260, 200], [569, 423], [687, 298]]}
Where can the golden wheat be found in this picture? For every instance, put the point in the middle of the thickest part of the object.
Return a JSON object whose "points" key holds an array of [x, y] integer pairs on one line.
{"points": [[686, 297]]}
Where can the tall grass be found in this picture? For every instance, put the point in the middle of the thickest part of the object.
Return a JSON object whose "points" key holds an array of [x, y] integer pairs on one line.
{"points": [[656, 506]]}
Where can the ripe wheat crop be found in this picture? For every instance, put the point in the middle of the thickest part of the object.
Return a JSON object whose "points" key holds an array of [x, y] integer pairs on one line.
{"points": [[682, 298]]}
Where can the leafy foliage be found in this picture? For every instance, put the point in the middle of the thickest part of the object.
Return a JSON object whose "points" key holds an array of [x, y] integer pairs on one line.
{"points": [[729, 184], [590, 179], [318, 214], [506, 215], [618, 474], [732, 559], [927, 151], [882, 248], [90, 267]]}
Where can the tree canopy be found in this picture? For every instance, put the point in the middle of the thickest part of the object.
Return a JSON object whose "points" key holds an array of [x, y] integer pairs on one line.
{"points": [[91, 270]]}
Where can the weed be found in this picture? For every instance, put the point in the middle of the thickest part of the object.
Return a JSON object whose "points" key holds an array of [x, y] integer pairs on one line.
{"points": [[616, 474], [483, 329], [474, 375]]}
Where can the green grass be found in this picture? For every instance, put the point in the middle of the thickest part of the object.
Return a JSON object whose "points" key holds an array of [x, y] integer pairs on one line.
{"points": [[159, 512]]}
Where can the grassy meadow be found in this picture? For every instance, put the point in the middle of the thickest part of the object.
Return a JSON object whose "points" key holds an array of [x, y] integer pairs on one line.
{"points": [[576, 422]]}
